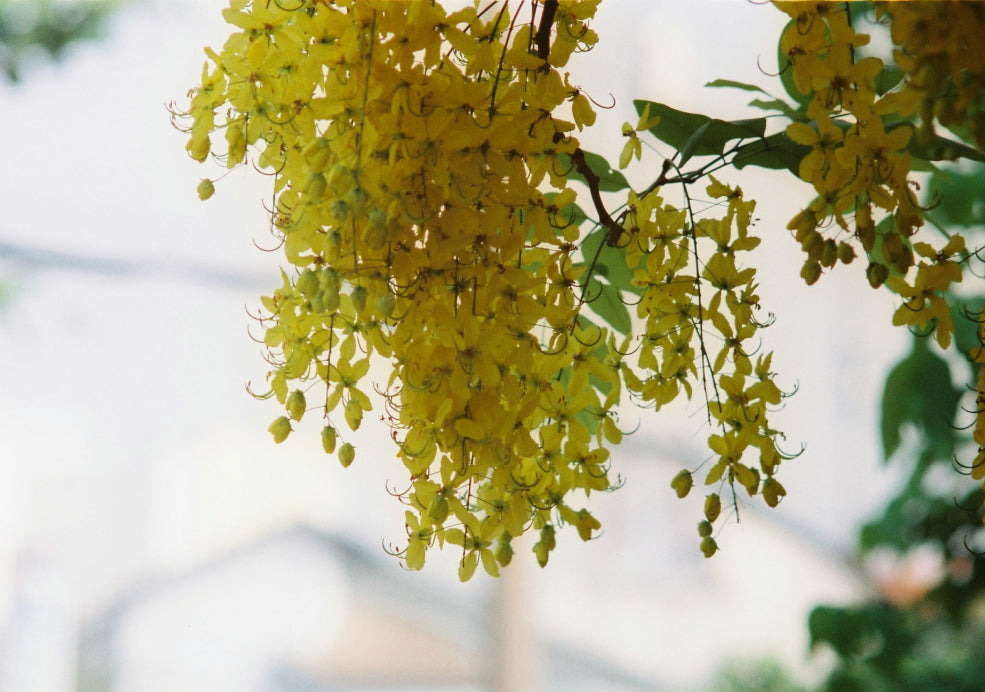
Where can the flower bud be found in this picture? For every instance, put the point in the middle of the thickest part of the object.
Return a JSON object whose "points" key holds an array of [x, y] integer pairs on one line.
{"points": [[296, 405], [346, 454], [713, 507], [328, 439], [315, 189], [359, 297], [386, 304], [280, 429], [307, 283], [708, 546], [682, 483], [205, 189]]}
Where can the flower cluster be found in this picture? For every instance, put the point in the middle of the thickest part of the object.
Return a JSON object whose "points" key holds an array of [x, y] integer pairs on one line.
{"points": [[408, 147], [857, 164], [698, 306], [941, 51], [420, 163]]}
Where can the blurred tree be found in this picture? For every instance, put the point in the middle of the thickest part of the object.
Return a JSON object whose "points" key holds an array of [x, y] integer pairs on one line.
{"points": [[33, 28]]}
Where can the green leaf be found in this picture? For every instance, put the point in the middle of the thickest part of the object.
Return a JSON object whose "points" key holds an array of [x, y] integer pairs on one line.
{"points": [[937, 148], [687, 151], [781, 106], [732, 84], [609, 262], [919, 392], [966, 313], [786, 71], [958, 197], [888, 77], [610, 180], [677, 128], [605, 301], [776, 152], [774, 104]]}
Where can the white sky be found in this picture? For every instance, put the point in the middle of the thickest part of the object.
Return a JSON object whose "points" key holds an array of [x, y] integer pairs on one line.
{"points": [[128, 443]]}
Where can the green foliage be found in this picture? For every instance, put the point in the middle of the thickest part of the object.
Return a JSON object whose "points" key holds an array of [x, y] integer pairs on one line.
{"points": [[48, 25], [919, 392], [692, 134]]}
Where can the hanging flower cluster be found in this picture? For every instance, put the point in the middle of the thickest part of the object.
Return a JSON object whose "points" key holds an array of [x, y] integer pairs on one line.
{"points": [[694, 293], [858, 160], [940, 49], [857, 164], [421, 162]]}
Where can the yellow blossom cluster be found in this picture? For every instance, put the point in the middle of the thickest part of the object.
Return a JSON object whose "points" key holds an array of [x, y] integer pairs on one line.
{"points": [[857, 164], [859, 161], [941, 51], [420, 161], [698, 307], [408, 147]]}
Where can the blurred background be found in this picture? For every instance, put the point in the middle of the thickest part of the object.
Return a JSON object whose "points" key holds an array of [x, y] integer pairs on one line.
{"points": [[152, 536]]}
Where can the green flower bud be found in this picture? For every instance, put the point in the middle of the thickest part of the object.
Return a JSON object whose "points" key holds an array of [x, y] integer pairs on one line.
{"points": [[829, 253], [205, 189], [713, 507], [773, 491], [307, 283], [359, 297], [353, 414], [329, 278], [682, 483], [810, 272], [877, 274], [340, 210], [329, 299], [504, 551], [296, 405], [346, 454], [328, 439], [708, 546], [386, 304], [280, 429], [378, 218], [846, 253], [315, 188], [704, 528]]}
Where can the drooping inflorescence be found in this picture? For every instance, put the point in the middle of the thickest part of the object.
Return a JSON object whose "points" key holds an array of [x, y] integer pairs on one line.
{"points": [[421, 162]]}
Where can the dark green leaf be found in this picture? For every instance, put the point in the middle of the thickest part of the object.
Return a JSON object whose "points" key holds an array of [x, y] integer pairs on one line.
{"points": [[958, 197], [778, 105], [676, 128], [604, 301], [919, 392], [687, 151], [888, 77], [937, 148], [777, 152], [610, 180], [966, 313], [731, 84], [609, 261]]}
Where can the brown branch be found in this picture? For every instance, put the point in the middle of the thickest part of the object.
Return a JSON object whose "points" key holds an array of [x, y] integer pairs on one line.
{"points": [[543, 36], [592, 180]]}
